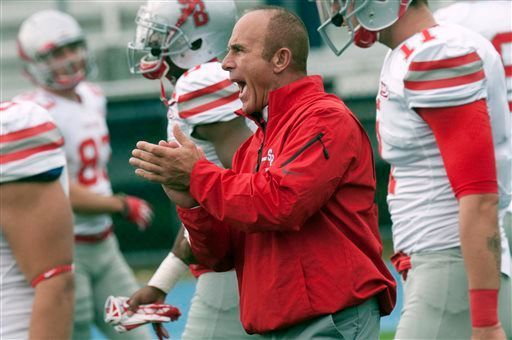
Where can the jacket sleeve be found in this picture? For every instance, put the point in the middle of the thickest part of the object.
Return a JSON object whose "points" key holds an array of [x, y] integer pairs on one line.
{"points": [[210, 239], [315, 158]]}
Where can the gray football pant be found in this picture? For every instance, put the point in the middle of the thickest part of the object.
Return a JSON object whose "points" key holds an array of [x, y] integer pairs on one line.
{"points": [[100, 271], [214, 310], [436, 303], [361, 322]]}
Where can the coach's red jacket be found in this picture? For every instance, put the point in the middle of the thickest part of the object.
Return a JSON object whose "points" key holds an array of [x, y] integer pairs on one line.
{"points": [[295, 215]]}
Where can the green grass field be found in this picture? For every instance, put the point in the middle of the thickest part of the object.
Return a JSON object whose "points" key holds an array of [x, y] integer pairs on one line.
{"points": [[387, 335]]}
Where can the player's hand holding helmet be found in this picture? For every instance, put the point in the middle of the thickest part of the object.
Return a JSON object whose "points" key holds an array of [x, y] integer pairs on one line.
{"points": [[118, 316], [53, 49]]}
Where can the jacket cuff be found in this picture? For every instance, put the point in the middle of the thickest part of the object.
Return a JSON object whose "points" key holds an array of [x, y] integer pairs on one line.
{"points": [[192, 217]]}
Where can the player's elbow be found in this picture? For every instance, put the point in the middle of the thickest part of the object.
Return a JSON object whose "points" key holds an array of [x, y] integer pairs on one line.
{"points": [[481, 203], [60, 287]]}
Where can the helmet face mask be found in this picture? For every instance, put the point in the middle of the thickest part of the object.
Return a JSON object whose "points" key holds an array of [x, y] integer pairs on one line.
{"points": [[63, 67], [186, 33], [363, 19], [53, 48], [154, 41], [334, 14]]}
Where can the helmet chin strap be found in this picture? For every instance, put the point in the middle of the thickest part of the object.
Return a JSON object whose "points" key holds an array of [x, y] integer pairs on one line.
{"points": [[163, 96], [403, 7], [364, 38]]}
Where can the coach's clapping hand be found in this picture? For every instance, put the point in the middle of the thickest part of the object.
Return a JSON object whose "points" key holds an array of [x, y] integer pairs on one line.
{"points": [[167, 163]]}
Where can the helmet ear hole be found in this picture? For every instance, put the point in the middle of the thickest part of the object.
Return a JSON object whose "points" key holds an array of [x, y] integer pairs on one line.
{"points": [[196, 44], [337, 20], [156, 51]]}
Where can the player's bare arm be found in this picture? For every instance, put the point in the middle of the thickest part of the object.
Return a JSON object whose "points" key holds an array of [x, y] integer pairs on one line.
{"points": [[225, 136], [85, 201], [37, 222], [134, 209], [480, 240], [480, 244]]}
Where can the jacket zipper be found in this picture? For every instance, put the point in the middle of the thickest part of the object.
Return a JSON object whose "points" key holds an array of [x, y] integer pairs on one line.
{"points": [[263, 125], [317, 138]]}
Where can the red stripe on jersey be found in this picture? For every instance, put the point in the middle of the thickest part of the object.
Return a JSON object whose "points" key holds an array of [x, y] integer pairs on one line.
{"points": [[14, 156], [510, 106], [209, 106], [205, 90], [508, 70], [444, 63], [463, 135], [442, 83], [26, 133], [197, 67], [6, 105]]}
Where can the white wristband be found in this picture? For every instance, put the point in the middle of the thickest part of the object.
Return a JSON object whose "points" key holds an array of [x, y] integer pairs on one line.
{"points": [[168, 273]]}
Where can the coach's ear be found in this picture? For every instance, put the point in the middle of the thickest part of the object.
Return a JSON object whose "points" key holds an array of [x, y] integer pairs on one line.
{"points": [[281, 59]]}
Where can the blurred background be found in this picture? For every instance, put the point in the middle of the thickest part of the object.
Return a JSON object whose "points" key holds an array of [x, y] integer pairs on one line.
{"points": [[136, 113]]}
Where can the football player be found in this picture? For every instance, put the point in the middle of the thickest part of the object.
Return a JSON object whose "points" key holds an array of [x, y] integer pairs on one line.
{"points": [[493, 20], [180, 41], [53, 49], [444, 126], [36, 237]]}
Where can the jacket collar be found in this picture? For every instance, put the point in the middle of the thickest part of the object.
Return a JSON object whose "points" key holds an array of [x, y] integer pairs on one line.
{"points": [[284, 98]]}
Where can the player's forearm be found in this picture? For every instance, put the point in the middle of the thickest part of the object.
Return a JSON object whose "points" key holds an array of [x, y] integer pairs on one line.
{"points": [[182, 248], [52, 311], [85, 201], [480, 240]]}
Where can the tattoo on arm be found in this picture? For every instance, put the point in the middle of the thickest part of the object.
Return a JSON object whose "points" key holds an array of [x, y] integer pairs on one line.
{"points": [[494, 245]]}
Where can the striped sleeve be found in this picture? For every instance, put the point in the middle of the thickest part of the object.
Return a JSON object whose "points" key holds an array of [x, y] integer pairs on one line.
{"points": [[440, 76], [30, 143], [206, 95]]}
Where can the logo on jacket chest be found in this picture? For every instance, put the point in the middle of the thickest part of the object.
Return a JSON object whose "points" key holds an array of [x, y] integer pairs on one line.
{"points": [[268, 158]]}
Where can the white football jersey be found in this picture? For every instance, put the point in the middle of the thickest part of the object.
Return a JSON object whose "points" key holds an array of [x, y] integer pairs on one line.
{"points": [[87, 145], [493, 20], [30, 144], [446, 65], [203, 95]]}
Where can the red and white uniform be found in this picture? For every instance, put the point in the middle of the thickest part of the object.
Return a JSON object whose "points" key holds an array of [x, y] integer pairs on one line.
{"points": [[493, 20], [443, 66], [203, 95], [87, 147], [30, 144]]}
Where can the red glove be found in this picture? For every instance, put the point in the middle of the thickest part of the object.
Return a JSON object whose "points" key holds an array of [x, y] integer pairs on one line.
{"points": [[138, 211]]}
